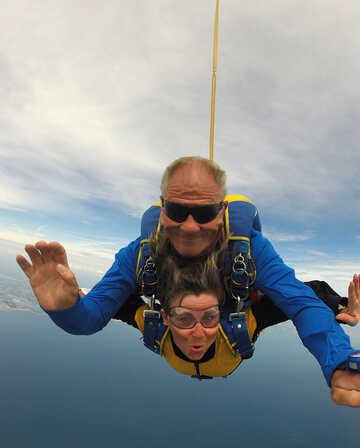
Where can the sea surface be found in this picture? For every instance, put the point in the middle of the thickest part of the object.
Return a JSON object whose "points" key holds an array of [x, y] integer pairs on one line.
{"points": [[59, 390]]}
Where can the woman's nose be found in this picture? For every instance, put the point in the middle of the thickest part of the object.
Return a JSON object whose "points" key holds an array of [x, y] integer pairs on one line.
{"points": [[198, 330]]}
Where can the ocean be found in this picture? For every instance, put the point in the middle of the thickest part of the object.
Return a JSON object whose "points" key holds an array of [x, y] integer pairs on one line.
{"points": [[59, 390]]}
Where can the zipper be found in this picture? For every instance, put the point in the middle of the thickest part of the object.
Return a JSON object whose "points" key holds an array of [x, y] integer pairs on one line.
{"points": [[197, 367]]}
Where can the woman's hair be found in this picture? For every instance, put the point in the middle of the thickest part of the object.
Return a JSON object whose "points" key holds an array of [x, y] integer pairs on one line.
{"points": [[179, 277]]}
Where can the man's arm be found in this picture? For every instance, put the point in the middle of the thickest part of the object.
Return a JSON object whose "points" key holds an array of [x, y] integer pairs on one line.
{"points": [[346, 309], [314, 321], [92, 312]]}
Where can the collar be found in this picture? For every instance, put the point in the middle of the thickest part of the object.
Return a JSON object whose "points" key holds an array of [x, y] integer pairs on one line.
{"points": [[210, 353]]}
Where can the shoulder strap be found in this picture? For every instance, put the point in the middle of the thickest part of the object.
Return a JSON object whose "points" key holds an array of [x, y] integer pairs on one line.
{"points": [[147, 281], [241, 217], [154, 330]]}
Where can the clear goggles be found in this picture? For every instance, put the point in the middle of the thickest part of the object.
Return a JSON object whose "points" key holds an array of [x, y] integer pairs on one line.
{"points": [[186, 318]]}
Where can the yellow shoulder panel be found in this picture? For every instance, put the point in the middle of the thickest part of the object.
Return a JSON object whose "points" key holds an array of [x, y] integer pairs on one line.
{"points": [[237, 197]]}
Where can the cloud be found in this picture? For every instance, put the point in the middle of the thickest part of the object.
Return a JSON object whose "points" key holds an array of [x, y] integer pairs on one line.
{"points": [[84, 255], [278, 237], [338, 273], [317, 253], [97, 101]]}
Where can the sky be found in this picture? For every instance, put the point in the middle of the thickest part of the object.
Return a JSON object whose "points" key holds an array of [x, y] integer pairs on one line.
{"points": [[97, 98]]}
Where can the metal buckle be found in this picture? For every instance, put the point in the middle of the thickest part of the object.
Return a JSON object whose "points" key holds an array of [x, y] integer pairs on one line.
{"points": [[152, 315], [152, 312], [151, 302], [239, 267], [240, 315], [240, 302], [239, 262], [244, 297]]}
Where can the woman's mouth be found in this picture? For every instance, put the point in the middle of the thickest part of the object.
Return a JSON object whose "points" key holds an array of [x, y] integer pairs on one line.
{"points": [[196, 348]]}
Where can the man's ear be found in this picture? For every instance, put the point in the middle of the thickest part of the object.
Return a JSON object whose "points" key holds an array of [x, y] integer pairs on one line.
{"points": [[162, 211], [162, 214], [164, 317], [222, 212]]}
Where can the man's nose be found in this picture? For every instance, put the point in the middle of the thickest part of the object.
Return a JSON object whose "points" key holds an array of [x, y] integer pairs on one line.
{"points": [[190, 225]]}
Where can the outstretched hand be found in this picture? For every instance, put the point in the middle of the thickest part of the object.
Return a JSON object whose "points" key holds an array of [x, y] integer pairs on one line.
{"points": [[52, 281], [351, 314], [345, 388]]}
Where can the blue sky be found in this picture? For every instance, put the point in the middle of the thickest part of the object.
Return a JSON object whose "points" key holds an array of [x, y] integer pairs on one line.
{"points": [[96, 99]]}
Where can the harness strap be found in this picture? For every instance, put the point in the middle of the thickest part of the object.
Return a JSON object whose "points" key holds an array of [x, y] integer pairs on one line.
{"points": [[244, 347], [147, 279], [242, 276], [152, 322]]}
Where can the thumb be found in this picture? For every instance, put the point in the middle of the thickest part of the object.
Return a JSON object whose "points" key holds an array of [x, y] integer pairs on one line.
{"points": [[67, 275], [347, 318]]}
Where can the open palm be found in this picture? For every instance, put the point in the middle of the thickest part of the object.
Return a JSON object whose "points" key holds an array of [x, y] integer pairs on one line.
{"points": [[52, 281], [351, 314]]}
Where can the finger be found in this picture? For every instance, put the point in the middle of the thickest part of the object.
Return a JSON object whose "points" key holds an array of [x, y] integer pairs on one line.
{"points": [[347, 318], [354, 298], [67, 275], [351, 290], [356, 281], [24, 265], [35, 255], [346, 380], [43, 248], [345, 397], [58, 253]]}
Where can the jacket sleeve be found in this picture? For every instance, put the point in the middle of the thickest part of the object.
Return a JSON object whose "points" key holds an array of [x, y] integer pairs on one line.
{"points": [[92, 312], [314, 321]]}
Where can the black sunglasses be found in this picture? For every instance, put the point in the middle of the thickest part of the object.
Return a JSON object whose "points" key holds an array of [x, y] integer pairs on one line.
{"points": [[201, 213]]}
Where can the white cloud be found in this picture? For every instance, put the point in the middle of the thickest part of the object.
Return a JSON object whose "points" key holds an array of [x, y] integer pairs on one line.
{"points": [[97, 100], [317, 253], [278, 237], [338, 273], [85, 255]]}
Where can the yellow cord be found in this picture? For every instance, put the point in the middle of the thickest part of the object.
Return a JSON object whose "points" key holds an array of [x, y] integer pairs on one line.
{"points": [[212, 119]]}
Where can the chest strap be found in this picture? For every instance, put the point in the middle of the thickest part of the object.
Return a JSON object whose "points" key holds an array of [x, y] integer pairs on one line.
{"points": [[154, 330]]}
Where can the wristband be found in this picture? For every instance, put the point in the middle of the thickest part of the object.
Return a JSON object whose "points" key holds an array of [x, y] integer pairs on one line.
{"points": [[352, 363]]}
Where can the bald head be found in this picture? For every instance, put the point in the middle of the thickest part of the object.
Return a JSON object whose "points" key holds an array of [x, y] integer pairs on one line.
{"points": [[195, 164]]}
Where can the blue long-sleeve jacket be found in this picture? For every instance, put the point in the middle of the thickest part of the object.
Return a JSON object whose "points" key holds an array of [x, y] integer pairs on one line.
{"points": [[314, 321]]}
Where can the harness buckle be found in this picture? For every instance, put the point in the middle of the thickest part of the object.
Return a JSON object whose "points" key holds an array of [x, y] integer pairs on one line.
{"points": [[148, 278], [239, 263], [237, 315], [151, 313], [152, 319], [240, 279], [244, 347], [240, 301]]}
